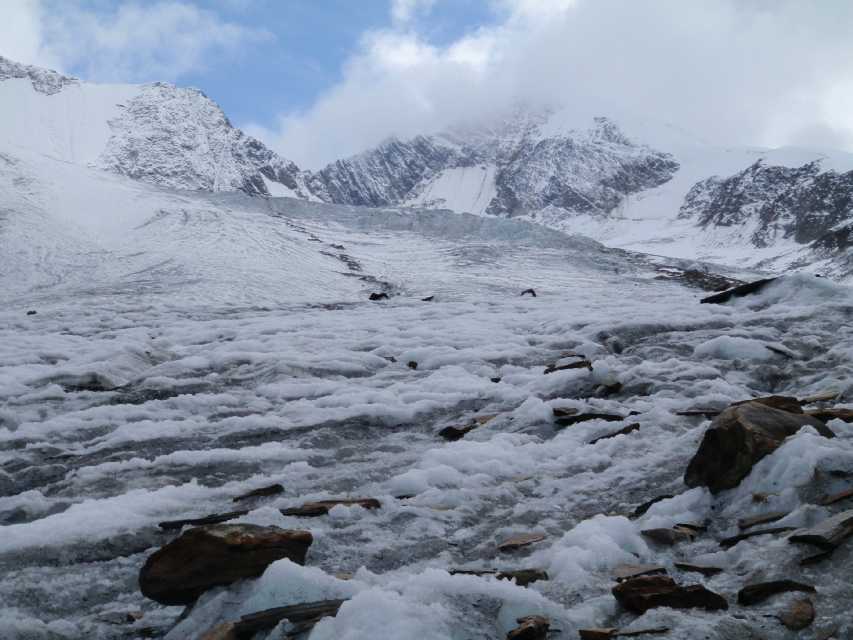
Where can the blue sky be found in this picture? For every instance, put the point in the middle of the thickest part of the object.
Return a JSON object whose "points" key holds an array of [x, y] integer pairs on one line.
{"points": [[318, 80]]}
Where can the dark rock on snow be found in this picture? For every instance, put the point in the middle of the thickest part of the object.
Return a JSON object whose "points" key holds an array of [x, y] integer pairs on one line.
{"points": [[641, 509], [695, 568], [798, 615], [378, 296], [519, 541], [215, 518], [302, 616], [738, 438], [322, 507], [530, 628], [529, 292], [217, 555], [649, 592], [737, 292], [271, 490], [622, 432], [730, 542], [828, 534], [757, 593]]}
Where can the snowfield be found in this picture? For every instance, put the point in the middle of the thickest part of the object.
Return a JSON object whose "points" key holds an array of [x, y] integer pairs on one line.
{"points": [[202, 346]]}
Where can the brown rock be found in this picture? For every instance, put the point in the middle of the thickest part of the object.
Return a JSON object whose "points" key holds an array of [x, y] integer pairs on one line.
{"points": [[598, 634], [521, 540], [738, 438], [622, 432], [798, 615], [563, 412], [523, 577], [530, 628], [828, 534], [642, 632], [579, 364], [756, 593], [648, 592], [302, 616], [584, 417], [641, 509], [216, 555], [845, 415], [730, 542], [737, 292], [671, 536], [628, 571], [322, 507], [271, 490], [783, 403], [765, 518]]}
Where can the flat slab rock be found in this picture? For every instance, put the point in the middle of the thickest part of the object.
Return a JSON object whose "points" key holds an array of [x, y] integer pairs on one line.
{"points": [[697, 568], [774, 531], [304, 616], [764, 518], [628, 571], [519, 541], [271, 490], [216, 555], [530, 628], [649, 592], [612, 632], [738, 292], [759, 592], [522, 577], [322, 507], [827, 534], [738, 438], [671, 536]]}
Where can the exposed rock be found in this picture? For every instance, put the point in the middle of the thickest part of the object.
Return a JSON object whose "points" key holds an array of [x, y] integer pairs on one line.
{"points": [[799, 614], [428, 299], [702, 412], [641, 509], [522, 577], [738, 438], [822, 396], [828, 534], [530, 628], [837, 413], [216, 555], [764, 518], [302, 616], [737, 292], [378, 296], [598, 634], [456, 433], [529, 291], [836, 497], [496, 379], [757, 593], [730, 542], [783, 403], [622, 432], [322, 507], [271, 490], [648, 592], [519, 541], [585, 417], [32, 312], [214, 518], [696, 568], [671, 536], [578, 364], [563, 412], [412, 364], [628, 571], [698, 279]]}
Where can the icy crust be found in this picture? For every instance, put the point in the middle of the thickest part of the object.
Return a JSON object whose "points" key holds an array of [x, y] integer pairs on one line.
{"points": [[180, 138], [216, 400], [44, 81]]}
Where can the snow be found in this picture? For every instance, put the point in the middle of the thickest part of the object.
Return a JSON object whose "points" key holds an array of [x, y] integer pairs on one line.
{"points": [[461, 189]]}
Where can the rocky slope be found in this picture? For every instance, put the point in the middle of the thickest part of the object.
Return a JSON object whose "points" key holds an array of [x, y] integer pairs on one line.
{"points": [[522, 169]]}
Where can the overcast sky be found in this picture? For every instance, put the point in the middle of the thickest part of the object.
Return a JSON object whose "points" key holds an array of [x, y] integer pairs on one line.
{"points": [[321, 79]]}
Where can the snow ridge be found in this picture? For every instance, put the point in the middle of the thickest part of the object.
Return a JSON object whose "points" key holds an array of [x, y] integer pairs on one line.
{"points": [[44, 81]]}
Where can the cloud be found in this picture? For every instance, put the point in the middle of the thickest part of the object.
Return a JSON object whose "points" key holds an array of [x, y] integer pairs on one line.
{"points": [[739, 73], [130, 42]]}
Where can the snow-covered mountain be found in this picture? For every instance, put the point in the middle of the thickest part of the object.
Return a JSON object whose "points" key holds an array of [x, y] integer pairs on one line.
{"points": [[161, 134]]}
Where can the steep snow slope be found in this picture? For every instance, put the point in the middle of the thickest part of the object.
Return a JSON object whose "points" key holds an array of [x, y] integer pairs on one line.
{"points": [[158, 133]]}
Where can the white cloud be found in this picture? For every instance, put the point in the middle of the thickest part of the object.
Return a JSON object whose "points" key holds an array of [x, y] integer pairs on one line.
{"points": [[733, 72], [404, 11], [130, 42]]}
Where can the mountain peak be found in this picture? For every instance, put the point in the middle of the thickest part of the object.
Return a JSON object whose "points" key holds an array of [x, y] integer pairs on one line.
{"points": [[44, 81]]}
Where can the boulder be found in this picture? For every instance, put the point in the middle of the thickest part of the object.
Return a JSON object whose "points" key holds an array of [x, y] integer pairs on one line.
{"points": [[530, 628], [412, 364], [322, 507], [759, 592], [271, 490], [738, 292], [798, 615], [216, 555], [738, 438], [648, 592]]}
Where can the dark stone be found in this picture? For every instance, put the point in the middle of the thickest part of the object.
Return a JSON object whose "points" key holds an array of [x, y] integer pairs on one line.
{"points": [[730, 542], [271, 490], [764, 518], [648, 592], [783, 403], [216, 555], [379, 296], [412, 364], [738, 292], [838, 413], [738, 438], [530, 628], [670, 537], [519, 541], [757, 593], [629, 571], [568, 421], [322, 507], [215, 518], [427, 299], [32, 312], [456, 433], [529, 291], [495, 380], [641, 509], [523, 577], [580, 364], [798, 615], [695, 568], [302, 616], [624, 431], [828, 534]]}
